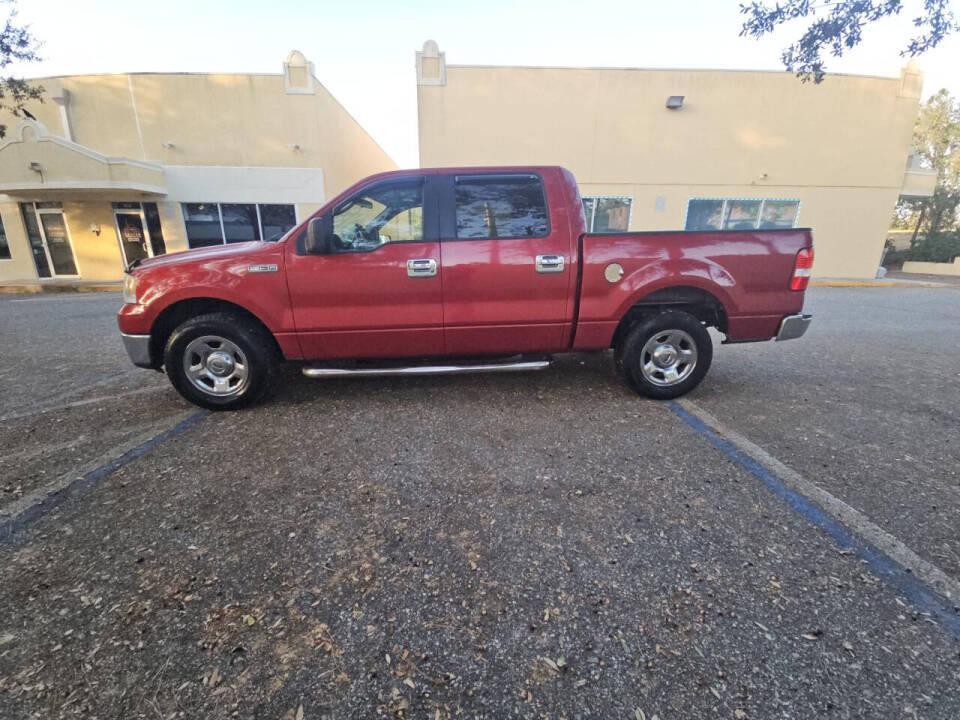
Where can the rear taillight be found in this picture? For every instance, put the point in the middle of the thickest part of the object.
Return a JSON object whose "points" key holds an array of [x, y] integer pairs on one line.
{"points": [[802, 267]]}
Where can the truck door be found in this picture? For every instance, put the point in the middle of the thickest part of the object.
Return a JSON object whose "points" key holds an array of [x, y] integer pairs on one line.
{"points": [[376, 291], [506, 261]]}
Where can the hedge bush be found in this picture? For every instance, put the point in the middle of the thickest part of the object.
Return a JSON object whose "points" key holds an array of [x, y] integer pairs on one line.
{"points": [[937, 247]]}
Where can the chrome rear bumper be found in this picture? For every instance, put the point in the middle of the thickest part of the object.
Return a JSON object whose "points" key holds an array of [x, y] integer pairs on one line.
{"points": [[793, 326], [138, 348]]}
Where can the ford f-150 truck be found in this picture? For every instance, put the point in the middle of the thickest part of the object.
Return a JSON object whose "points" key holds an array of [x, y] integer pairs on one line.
{"points": [[459, 270]]}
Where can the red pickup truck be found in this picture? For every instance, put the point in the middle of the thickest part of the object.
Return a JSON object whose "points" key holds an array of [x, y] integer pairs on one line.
{"points": [[459, 270]]}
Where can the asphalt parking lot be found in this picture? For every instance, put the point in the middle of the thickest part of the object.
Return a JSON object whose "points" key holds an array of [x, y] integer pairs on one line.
{"points": [[536, 546]]}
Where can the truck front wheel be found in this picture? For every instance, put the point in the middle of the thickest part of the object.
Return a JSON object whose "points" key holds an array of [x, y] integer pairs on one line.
{"points": [[665, 355], [220, 361]]}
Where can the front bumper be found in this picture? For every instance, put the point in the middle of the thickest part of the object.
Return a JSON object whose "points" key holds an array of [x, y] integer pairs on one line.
{"points": [[138, 348], [794, 326]]}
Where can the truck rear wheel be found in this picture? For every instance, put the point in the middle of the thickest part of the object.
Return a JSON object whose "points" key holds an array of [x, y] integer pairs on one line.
{"points": [[220, 361], [666, 355]]}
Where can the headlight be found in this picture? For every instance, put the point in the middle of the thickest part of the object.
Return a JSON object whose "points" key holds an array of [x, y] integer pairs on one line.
{"points": [[129, 290]]}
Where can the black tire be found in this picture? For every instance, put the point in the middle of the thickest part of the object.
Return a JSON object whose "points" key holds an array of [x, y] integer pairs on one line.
{"points": [[257, 356], [657, 385]]}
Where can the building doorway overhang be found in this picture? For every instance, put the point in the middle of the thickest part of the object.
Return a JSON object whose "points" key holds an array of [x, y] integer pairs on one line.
{"points": [[37, 165]]}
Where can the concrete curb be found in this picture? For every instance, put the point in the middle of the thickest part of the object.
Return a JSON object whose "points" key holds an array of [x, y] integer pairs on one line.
{"points": [[875, 283]]}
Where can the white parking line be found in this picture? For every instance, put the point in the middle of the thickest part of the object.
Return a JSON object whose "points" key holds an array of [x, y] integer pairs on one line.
{"points": [[835, 507]]}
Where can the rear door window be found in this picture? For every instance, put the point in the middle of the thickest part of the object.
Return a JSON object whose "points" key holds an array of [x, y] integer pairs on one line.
{"points": [[501, 206]]}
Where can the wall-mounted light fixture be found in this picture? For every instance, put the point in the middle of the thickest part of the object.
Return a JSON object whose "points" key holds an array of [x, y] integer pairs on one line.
{"points": [[37, 168], [95, 229], [295, 147], [674, 102], [168, 144]]}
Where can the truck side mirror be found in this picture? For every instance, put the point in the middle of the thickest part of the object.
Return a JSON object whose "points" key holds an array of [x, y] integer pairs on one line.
{"points": [[316, 242]]}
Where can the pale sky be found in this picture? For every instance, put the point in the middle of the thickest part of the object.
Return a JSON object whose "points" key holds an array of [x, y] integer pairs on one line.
{"points": [[363, 52]]}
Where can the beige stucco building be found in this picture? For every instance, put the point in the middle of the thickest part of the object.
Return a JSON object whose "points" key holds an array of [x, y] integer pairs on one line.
{"points": [[675, 149], [114, 167]]}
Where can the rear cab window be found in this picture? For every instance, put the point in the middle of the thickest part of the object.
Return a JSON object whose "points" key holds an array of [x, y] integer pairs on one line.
{"points": [[500, 206]]}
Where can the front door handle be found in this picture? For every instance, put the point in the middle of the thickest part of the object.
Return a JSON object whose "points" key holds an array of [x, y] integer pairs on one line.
{"points": [[549, 263], [421, 267]]}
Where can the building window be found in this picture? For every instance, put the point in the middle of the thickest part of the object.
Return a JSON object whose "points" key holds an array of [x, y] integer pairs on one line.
{"points": [[4, 245], [275, 220], [607, 214], [202, 221], [501, 206], [779, 213], [741, 213], [240, 222], [218, 223]]}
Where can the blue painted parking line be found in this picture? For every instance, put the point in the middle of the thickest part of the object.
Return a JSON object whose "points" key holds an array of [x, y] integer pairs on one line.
{"points": [[919, 594], [10, 526]]}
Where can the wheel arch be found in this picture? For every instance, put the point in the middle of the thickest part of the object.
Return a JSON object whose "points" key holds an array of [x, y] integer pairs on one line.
{"points": [[702, 304], [178, 312]]}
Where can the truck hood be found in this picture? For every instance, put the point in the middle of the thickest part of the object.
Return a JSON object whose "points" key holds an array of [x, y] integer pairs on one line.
{"points": [[201, 255]]}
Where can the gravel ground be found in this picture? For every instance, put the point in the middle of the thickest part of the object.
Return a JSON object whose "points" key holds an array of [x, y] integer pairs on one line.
{"points": [[867, 405], [533, 546]]}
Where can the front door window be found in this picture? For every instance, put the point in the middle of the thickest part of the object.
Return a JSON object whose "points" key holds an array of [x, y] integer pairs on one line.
{"points": [[377, 215]]}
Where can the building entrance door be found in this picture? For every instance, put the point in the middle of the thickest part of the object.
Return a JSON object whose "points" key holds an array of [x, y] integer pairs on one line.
{"points": [[133, 236], [49, 239]]}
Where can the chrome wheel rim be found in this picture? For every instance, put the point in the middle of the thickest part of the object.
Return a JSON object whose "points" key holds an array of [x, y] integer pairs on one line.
{"points": [[216, 366], [668, 357]]}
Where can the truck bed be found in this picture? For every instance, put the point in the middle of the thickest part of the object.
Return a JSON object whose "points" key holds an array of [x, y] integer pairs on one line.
{"points": [[747, 271]]}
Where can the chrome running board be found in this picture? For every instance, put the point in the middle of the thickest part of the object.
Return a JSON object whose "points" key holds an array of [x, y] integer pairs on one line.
{"points": [[327, 372]]}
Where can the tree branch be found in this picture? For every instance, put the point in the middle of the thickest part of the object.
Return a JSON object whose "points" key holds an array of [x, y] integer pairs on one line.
{"points": [[840, 28]]}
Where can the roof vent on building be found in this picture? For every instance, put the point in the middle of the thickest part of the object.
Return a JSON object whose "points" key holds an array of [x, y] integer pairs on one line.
{"points": [[298, 74]]}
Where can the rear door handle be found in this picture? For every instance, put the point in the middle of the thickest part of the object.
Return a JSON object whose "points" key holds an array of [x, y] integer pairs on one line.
{"points": [[421, 267], [549, 263]]}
